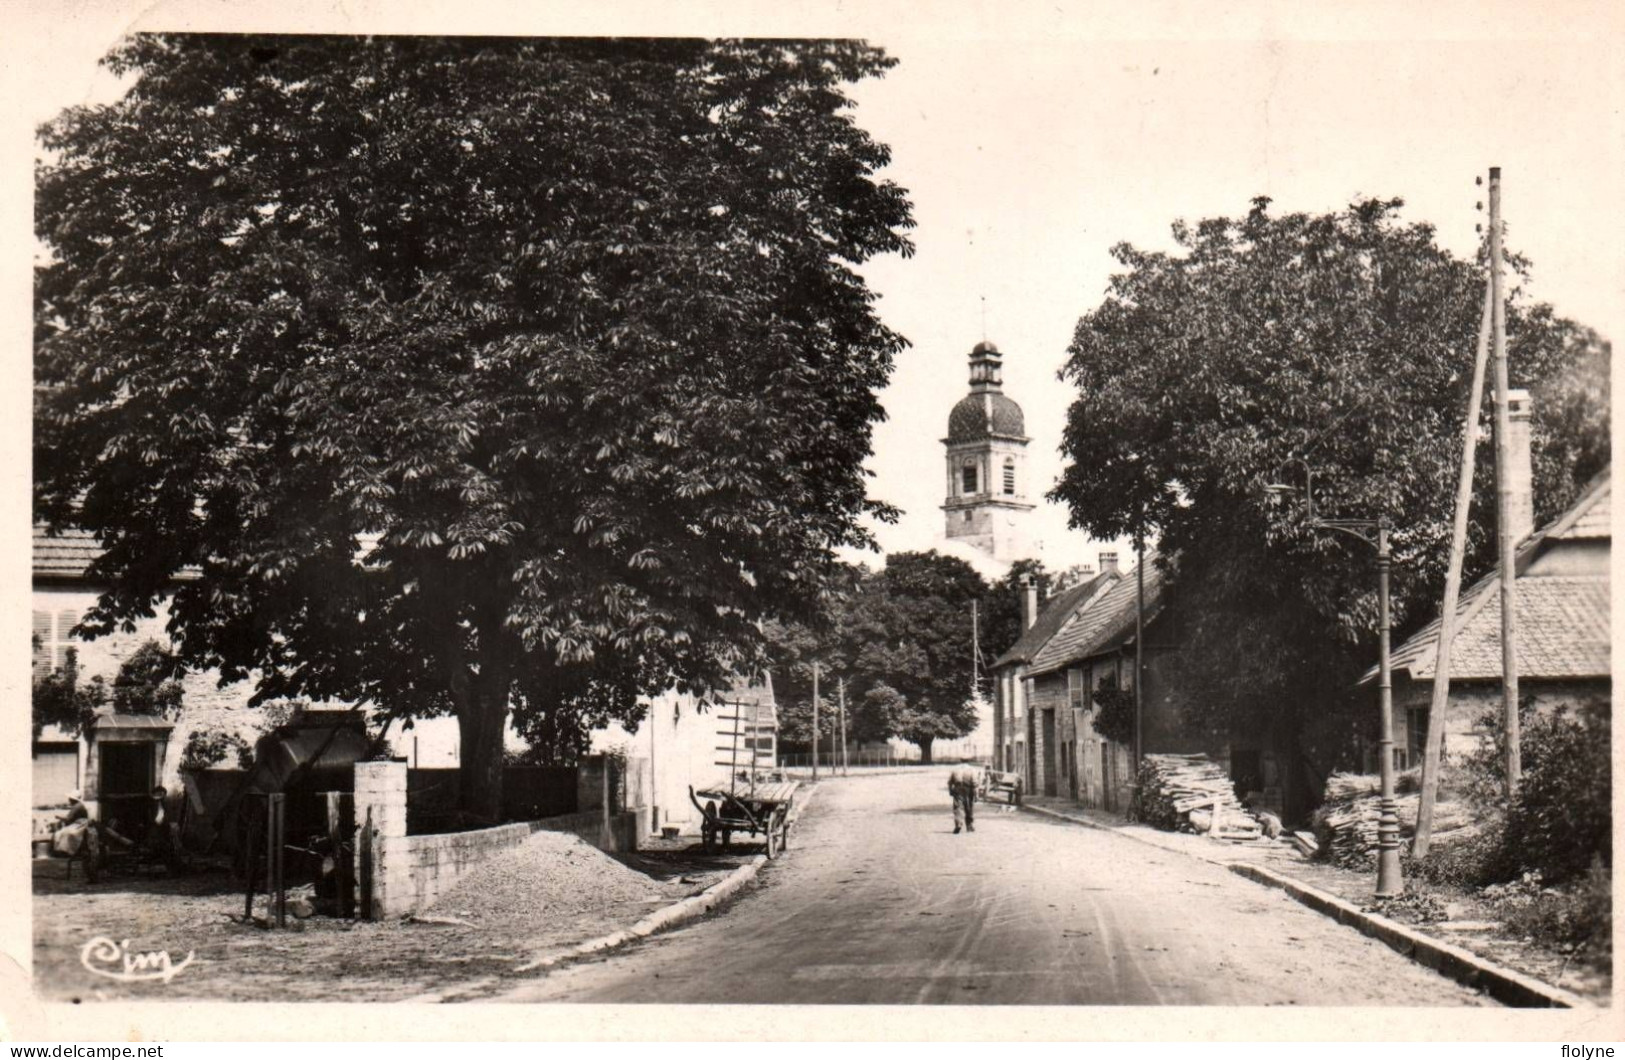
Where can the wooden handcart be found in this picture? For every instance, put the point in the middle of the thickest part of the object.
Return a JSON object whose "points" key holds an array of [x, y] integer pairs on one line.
{"points": [[764, 810], [1006, 786]]}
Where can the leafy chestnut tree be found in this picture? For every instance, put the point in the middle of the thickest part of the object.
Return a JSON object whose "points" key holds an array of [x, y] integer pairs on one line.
{"points": [[1344, 341], [900, 638], [457, 375]]}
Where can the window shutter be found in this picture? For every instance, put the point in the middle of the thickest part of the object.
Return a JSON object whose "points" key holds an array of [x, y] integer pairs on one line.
{"points": [[65, 621], [42, 643]]}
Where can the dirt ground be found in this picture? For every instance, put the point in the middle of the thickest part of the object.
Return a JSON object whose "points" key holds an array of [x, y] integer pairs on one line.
{"points": [[1520, 954], [880, 902], [324, 958]]}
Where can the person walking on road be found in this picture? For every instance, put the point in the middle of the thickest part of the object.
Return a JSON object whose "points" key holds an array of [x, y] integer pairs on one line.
{"points": [[962, 789]]}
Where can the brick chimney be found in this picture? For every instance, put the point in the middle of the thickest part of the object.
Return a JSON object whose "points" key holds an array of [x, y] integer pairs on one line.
{"points": [[1108, 563], [1029, 601], [1520, 475]]}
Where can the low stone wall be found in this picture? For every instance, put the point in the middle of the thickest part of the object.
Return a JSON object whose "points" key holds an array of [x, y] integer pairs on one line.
{"points": [[417, 869], [613, 833], [399, 873]]}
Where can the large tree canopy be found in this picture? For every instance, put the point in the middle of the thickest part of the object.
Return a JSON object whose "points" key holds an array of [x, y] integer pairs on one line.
{"points": [[1344, 342], [461, 371], [901, 640]]}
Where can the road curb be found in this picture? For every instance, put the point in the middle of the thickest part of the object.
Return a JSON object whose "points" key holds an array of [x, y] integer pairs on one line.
{"points": [[679, 912], [1130, 836], [1465, 967]]}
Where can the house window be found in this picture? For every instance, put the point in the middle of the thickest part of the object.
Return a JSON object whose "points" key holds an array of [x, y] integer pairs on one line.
{"points": [[1074, 688], [1416, 733], [51, 639], [1009, 478], [968, 477]]}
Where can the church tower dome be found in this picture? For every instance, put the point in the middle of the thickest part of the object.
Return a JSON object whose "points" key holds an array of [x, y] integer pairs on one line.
{"points": [[986, 445]]}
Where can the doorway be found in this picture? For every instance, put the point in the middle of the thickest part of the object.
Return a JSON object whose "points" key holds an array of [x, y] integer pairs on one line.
{"points": [[1050, 756], [125, 783]]}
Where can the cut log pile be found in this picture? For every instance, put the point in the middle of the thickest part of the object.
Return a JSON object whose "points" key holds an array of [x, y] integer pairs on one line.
{"points": [[1346, 823], [1180, 793]]}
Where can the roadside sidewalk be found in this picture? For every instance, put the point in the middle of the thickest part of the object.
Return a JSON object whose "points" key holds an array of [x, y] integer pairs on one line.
{"points": [[1339, 894]]}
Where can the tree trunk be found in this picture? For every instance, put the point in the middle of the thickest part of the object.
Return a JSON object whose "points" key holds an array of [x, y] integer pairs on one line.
{"points": [[481, 722], [925, 749]]}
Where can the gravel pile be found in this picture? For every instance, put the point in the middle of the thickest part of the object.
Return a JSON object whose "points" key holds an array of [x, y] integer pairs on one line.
{"points": [[551, 877]]}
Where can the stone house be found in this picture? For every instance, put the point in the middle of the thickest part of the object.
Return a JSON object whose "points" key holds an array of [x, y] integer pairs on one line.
{"points": [[1082, 640], [687, 741], [122, 756], [1561, 585], [1010, 685]]}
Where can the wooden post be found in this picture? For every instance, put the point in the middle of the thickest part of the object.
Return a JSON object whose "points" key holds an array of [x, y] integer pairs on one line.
{"points": [[1139, 646], [845, 771], [815, 723], [1503, 479], [276, 891], [366, 838], [342, 867], [251, 853], [1452, 592]]}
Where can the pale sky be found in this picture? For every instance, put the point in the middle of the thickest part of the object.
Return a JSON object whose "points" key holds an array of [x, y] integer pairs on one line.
{"points": [[1028, 160], [1032, 139]]}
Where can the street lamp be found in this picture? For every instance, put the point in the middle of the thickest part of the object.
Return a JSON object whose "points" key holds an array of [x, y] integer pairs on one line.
{"points": [[1373, 532]]}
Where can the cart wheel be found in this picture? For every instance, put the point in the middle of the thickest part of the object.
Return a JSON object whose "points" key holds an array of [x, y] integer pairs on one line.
{"points": [[784, 835], [772, 843]]}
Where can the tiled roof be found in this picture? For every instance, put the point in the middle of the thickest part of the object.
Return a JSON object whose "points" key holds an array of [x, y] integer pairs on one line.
{"points": [[1563, 620], [1100, 625], [1562, 632], [1593, 520], [66, 555], [983, 415], [1057, 610]]}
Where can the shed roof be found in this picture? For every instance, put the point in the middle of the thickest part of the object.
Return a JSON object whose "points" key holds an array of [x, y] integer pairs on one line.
{"points": [[108, 719], [1104, 622], [1563, 620], [1056, 611]]}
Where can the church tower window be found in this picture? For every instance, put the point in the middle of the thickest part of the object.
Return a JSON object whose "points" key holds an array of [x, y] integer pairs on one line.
{"points": [[968, 477], [1009, 477]]}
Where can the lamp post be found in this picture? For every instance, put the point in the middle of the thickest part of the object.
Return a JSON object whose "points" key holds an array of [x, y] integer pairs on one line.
{"points": [[1373, 532]]}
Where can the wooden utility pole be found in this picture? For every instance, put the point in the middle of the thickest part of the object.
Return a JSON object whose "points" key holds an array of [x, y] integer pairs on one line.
{"points": [[975, 653], [1452, 591], [1503, 480], [842, 686], [1139, 647], [815, 722], [975, 660]]}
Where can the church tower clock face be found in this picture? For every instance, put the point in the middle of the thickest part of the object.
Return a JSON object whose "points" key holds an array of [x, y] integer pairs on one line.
{"points": [[986, 449]]}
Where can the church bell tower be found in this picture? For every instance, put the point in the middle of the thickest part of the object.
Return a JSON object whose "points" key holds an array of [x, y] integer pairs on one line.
{"points": [[987, 505]]}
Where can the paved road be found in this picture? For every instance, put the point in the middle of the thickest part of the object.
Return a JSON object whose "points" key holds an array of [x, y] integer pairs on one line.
{"points": [[878, 901]]}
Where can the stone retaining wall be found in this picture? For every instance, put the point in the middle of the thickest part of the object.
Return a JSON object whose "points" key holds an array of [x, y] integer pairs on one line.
{"points": [[410, 871]]}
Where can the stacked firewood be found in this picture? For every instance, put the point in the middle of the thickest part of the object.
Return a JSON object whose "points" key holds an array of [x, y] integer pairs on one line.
{"points": [[1346, 823], [1183, 793]]}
